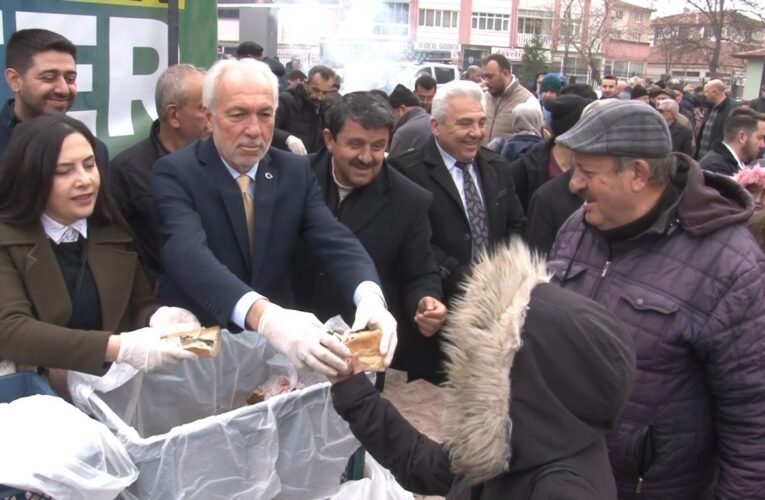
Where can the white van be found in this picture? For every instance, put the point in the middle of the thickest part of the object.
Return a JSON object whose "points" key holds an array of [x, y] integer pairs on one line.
{"points": [[442, 73]]}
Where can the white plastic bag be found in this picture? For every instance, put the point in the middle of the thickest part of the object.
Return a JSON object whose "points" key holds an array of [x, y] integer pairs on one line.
{"points": [[378, 484], [51, 447], [189, 431]]}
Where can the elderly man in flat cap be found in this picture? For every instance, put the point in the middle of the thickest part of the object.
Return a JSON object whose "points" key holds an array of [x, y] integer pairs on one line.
{"points": [[663, 245]]}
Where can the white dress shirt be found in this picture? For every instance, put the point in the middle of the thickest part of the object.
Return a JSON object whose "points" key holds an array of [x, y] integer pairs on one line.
{"points": [[457, 175], [61, 233]]}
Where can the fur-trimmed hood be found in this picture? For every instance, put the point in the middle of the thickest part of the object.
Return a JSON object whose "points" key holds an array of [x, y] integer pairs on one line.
{"points": [[532, 360]]}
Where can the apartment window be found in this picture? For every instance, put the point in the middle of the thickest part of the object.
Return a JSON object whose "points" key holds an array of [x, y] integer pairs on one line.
{"points": [[638, 17], [438, 18], [636, 37], [618, 14], [392, 19], [491, 22], [531, 26]]}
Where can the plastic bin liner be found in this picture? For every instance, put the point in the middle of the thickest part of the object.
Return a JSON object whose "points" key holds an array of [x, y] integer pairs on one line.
{"points": [[189, 431], [378, 484], [51, 447]]}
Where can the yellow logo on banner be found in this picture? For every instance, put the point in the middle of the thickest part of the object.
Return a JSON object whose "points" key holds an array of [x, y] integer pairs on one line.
{"points": [[161, 4]]}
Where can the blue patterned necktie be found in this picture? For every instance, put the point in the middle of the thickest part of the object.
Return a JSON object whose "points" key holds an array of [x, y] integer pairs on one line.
{"points": [[479, 224]]}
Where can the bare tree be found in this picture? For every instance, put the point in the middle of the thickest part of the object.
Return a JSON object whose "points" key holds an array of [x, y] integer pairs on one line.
{"points": [[728, 21], [583, 26], [677, 43]]}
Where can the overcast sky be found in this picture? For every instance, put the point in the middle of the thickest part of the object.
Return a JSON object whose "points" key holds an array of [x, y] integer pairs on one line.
{"points": [[669, 7]]}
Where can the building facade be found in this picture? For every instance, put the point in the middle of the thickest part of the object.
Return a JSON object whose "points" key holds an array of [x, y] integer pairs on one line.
{"points": [[582, 38]]}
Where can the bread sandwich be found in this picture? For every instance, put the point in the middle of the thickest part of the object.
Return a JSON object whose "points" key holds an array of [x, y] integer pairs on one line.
{"points": [[366, 345], [204, 342]]}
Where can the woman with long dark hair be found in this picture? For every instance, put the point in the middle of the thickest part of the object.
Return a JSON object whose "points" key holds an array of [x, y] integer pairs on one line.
{"points": [[70, 280]]}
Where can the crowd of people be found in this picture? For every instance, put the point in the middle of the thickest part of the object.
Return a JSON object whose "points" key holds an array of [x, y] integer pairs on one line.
{"points": [[583, 274]]}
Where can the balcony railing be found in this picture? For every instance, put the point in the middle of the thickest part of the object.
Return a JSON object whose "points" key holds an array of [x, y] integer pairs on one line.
{"points": [[526, 38]]}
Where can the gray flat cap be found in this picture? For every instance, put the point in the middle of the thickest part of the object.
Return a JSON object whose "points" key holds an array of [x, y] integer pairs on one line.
{"points": [[624, 128]]}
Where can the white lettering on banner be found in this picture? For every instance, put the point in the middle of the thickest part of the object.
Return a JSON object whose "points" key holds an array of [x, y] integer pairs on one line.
{"points": [[125, 34], [84, 78], [87, 117], [80, 30], [2, 35]]}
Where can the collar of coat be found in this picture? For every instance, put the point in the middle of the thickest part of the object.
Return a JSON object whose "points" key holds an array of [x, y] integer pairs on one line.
{"points": [[482, 336]]}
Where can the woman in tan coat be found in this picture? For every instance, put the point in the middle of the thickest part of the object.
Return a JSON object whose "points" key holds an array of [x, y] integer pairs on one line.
{"points": [[70, 280]]}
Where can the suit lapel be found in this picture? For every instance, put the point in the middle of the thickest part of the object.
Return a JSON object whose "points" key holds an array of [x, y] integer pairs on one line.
{"points": [[370, 202], [229, 191], [113, 271], [45, 283], [489, 187], [266, 189], [439, 172]]}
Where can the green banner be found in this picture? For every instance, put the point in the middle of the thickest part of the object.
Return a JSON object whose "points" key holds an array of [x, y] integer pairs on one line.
{"points": [[121, 51]]}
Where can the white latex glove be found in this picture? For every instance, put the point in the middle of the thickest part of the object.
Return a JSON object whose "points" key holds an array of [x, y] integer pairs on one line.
{"points": [[296, 146], [371, 313], [166, 316], [302, 338], [145, 350]]}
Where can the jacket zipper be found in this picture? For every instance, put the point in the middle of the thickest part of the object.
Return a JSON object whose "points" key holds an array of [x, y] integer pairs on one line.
{"points": [[603, 273]]}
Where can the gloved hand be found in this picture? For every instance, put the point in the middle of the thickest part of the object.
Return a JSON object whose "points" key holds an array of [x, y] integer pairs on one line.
{"points": [[296, 146], [371, 313], [301, 337], [166, 316], [145, 350]]}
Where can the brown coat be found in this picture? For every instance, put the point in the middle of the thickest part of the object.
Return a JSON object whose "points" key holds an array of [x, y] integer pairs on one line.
{"points": [[499, 111], [35, 303]]}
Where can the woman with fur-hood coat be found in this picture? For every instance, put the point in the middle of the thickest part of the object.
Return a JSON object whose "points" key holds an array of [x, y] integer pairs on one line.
{"points": [[537, 376]]}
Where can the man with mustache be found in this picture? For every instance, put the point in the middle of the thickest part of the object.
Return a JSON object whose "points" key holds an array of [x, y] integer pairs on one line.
{"points": [[231, 210], [663, 245], [474, 202], [40, 69], [387, 212]]}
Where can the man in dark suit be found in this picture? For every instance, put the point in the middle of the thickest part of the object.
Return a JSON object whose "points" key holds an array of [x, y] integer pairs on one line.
{"points": [[231, 210], [474, 202], [458, 128], [742, 144], [387, 212]]}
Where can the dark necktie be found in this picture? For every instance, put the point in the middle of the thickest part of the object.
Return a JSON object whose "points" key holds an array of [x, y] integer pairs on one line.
{"points": [[479, 224]]}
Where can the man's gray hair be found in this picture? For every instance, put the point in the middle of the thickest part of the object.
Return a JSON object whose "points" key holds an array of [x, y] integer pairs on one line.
{"points": [[255, 68], [668, 105], [172, 88], [662, 169], [455, 88]]}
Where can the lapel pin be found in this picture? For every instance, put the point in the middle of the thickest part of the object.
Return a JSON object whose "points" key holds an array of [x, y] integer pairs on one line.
{"points": [[269, 175]]}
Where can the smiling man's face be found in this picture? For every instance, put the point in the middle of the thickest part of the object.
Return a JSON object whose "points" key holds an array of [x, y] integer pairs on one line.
{"points": [[464, 128]]}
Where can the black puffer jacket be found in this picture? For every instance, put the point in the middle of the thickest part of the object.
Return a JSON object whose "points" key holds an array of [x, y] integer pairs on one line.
{"points": [[691, 290], [530, 171], [298, 115], [537, 376]]}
